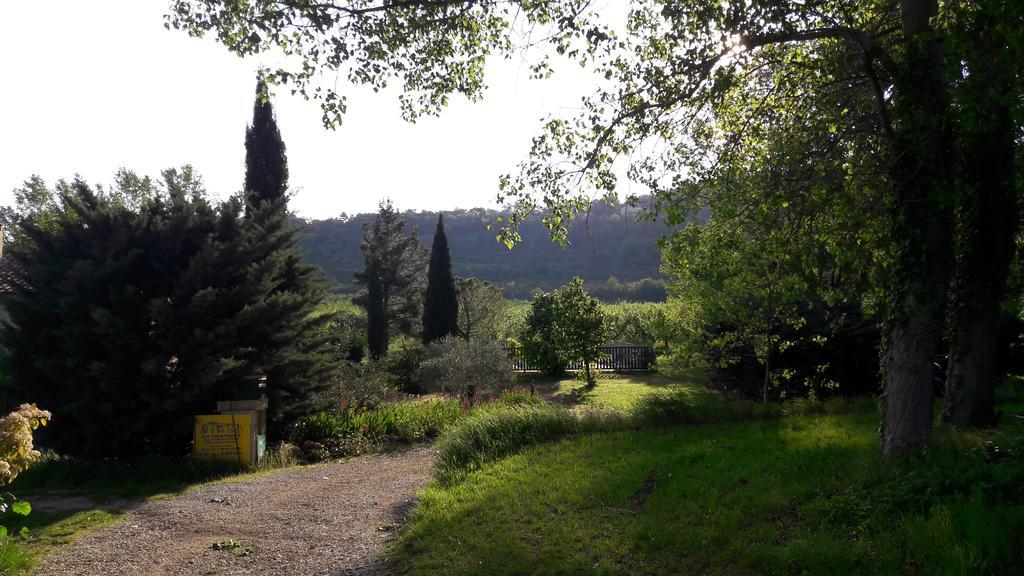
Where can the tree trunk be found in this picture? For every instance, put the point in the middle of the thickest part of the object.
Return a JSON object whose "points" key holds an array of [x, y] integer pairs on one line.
{"points": [[986, 240], [922, 233]]}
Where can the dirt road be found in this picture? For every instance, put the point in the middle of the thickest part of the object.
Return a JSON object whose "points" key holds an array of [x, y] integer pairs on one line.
{"points": [[310, 521]]}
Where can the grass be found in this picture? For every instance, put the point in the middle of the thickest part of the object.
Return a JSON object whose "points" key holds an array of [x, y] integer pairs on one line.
{"points": [[50, 531], [613, 390], [804, 494]]}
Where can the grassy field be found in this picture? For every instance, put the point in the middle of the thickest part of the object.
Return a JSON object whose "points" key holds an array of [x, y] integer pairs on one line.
{"points": [[797, 495]]}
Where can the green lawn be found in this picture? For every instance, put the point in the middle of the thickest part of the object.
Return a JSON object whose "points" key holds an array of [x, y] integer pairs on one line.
{"points": [[798, 495], [617, 390]]}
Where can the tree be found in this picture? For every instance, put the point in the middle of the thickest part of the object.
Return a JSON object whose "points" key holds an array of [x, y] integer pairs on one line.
{"points": [[887, 78], [304, 358], [266, 163], [481, 307], [392, 280], [440, 303], [565, 326], [146, 315]]}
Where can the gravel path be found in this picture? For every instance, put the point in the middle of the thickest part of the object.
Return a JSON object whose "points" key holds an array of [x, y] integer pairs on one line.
{"points": [[311, 521]]}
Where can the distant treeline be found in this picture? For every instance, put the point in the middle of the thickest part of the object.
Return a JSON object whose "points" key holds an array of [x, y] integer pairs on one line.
{"points": [[615, 254]]}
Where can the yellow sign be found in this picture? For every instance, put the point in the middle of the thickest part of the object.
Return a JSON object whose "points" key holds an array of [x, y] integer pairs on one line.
{"points": [[223, 437]]}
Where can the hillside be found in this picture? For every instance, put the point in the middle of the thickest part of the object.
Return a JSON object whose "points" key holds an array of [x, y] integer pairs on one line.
{"points": [[614, 252]]}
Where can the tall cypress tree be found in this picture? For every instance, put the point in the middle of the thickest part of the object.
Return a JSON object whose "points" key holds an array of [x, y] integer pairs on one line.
{"points": [[440, 303], [266, 163]]}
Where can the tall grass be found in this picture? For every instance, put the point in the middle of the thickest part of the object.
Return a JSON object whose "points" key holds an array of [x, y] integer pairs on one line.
{"points": [[408, 421], [493, 432]]}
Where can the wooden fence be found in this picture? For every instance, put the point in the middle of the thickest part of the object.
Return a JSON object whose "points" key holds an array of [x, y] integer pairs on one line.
{"points": [[617, 357]]}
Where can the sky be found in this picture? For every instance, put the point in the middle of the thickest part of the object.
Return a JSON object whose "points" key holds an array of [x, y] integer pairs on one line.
{"points": [[91, 87]]}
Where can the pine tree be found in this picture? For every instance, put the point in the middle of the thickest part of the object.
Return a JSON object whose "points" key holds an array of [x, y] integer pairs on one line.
{"points": [[148, 313], [392, 281], [266, 163], [440, 303]]}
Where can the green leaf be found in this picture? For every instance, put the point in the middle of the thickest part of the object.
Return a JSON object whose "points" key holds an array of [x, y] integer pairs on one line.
{"points": [[22, 508], [24, 533], [3, 532]]}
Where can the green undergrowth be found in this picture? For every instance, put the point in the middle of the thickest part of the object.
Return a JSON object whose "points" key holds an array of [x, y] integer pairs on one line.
{"points": [[805, 493]]}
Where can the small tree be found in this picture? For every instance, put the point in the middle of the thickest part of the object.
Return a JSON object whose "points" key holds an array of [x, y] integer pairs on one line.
{"points": [[481, 306], [466, 368], [566, 326], [440, 305], [392, 281]]}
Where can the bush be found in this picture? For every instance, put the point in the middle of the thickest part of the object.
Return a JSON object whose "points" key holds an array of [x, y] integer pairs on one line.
{"points": [[402, 367], [466, 368], [364, 385]]}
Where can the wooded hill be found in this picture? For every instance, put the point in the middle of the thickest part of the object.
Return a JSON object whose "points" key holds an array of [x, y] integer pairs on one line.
{"points": [[616, 254]]}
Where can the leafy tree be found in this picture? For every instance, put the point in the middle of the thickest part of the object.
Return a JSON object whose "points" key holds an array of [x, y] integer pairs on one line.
{"points": [[440, 302], [892, 81], [266, 163], [481, 306], [565, 326], [392, 281]]}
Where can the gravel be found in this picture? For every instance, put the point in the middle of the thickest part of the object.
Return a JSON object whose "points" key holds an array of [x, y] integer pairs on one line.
{"points": [[323, 520]]}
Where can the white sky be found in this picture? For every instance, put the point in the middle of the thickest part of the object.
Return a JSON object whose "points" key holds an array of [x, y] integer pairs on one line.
{"points": [[88, 87]]}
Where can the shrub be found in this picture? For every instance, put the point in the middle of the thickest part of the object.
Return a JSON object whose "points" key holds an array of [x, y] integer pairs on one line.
{"points": [[402, 367], [466, 368], [364, 385]]}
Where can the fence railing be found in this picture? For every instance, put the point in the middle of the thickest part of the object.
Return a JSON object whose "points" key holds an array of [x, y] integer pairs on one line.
{"points": [[618, 358]]}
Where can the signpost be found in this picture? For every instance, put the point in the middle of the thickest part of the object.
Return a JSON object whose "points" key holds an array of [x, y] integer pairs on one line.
{"points": [[224, 437], [238, 434]]}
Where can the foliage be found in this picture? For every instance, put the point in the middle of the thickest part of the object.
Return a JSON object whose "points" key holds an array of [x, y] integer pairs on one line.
{"points": [[481, 307], [345, 327], [645, 323], [402, 366], [16, 448], [352, 431], [364, 385], [391, 282], [565, 326], [157, 311], [779, 291], [440, 301], [466, 367]]}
